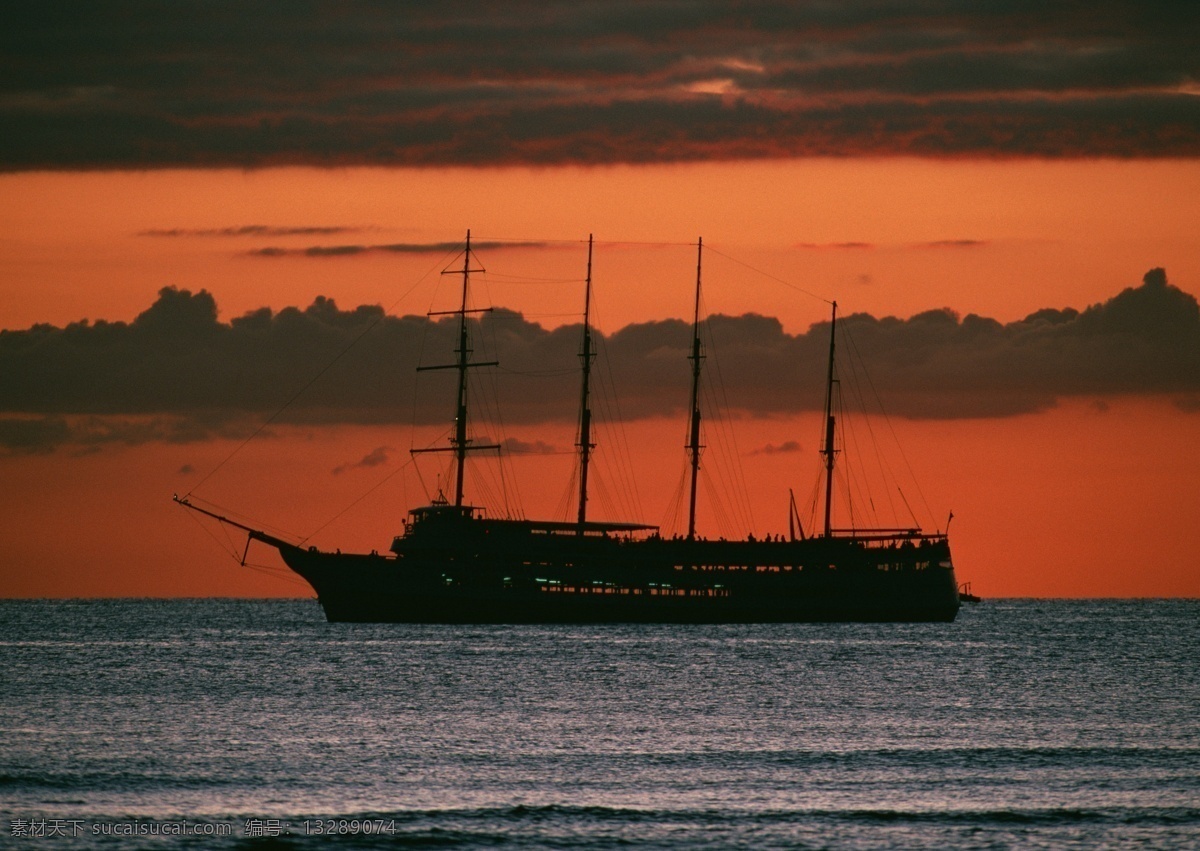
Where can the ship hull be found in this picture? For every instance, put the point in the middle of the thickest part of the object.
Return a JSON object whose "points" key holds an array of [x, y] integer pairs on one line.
{"points": [[639, 584]]}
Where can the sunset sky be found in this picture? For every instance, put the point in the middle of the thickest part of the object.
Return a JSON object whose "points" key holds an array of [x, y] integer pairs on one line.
{"points": [[222, 227]]}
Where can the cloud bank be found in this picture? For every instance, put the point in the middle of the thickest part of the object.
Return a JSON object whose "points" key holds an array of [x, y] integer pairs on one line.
{"points": [[177, 373], [253, 230], [387, 248], [130, 84]]}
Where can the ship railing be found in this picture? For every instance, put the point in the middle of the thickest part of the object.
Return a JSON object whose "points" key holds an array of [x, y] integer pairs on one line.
{"points": [[887, 536]]}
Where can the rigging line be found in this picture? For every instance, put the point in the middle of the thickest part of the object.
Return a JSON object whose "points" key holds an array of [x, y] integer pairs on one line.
{"points": [[501, 463], [846, 472], [623, 455], [726, 456], [494, 475], [601, 494], [887, 419], [479, 492], [483, 488], [563, 510], [404, 489], [856, 484], [416, 382], [851, 474], [769, 275], [615, 446], [228, 537], [532, 279], [276, 573], [857, 365], [430, 324], [727, 435], [604, 434], [534, 242], [487, 410], [535, 373], [725, 467], [484, 475], [224, 546], [840, 474], [368, 492], [915, 521], [440, 438], [421, 480], [370, 327], [232, 512], [504, 458], [716, 506], [814, 496], [608, 497], [670, 517]]}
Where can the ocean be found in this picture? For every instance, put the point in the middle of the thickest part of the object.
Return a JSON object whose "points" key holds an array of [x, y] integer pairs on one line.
{"points": [[256, 724]]}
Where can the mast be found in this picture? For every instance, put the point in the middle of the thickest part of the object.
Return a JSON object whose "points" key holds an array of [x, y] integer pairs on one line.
{"points": [[460, 444], [460, 418], [585, 411], [829, 451], [695, 357]]}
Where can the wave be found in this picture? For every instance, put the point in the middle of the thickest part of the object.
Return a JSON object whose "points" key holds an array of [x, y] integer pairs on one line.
{"points": [[106, 781], [525, 813]]}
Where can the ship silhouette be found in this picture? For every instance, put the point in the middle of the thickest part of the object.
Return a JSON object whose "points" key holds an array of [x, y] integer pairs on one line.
{"points": [[452, 563]]}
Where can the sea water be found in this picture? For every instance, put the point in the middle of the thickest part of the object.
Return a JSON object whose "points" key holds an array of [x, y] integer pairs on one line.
{"points": [[229, 724]]}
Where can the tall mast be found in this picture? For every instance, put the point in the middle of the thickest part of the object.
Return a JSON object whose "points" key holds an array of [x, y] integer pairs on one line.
{"points": [[829, 451], [460, 444], [695, 357], [585, 411], [464, 351]]}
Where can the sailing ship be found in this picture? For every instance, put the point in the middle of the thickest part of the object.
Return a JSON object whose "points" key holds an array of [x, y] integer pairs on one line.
{"points": [[452, 563]]}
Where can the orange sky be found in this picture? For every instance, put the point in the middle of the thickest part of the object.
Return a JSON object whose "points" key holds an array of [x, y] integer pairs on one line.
{"points": [[1093, 498], [1041, 234]]}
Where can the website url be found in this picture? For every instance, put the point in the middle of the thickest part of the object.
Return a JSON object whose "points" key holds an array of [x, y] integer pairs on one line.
{"points": [[45, 828]]}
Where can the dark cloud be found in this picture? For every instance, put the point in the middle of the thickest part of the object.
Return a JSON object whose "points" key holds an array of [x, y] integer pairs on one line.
{"points": [[177, 373], [515, 446], [24, 433], [863, 246], [376, 457], [775, 449], [394, 248], [953, 243], [126, 85], [254, 230]]}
